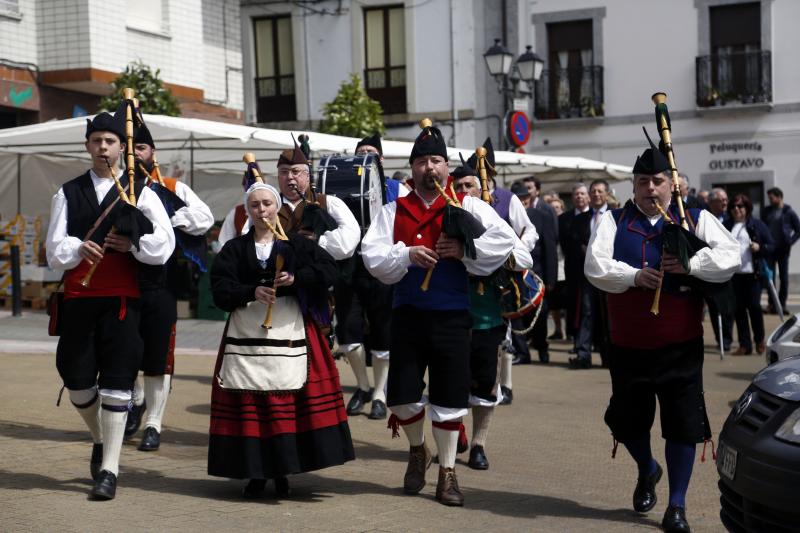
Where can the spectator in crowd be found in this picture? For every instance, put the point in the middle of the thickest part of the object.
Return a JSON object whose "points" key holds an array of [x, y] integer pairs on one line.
{"points": [[784, 226], [549, 196], [574, 252], [688, 199], [590, 324], [718, 206], [756, 246], [718, 203], [555, 299], [534, 187], [702, 195]]}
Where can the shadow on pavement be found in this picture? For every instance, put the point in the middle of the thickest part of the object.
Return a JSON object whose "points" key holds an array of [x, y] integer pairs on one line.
{"points": [[204, 380], [31, 481], [744, 376]]}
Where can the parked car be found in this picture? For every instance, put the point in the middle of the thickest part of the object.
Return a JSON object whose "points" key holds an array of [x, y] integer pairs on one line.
{"points": [[758, 458], [784, 341]]}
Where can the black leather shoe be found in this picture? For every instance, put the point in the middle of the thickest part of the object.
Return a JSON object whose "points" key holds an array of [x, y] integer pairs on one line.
{"points": [[544, 357], [644, 496], [477, 458], [282, 489], [151, 440], [520, 360], [96, 460], [358, 401], [674, 520], [377, 411], [105, 488], [579, 363], [557, 336], [134, 419], [254, 489], [508, 396]]}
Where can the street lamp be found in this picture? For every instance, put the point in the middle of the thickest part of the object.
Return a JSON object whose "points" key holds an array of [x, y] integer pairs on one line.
{"points": [[508, 73]]}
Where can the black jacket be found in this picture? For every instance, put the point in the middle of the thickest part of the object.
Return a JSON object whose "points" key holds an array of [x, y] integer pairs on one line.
{"points": [[785, 229], [545, 253]]}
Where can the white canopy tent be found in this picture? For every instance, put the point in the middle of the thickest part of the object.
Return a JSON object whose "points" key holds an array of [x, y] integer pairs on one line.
{"points": [[35, 160]]}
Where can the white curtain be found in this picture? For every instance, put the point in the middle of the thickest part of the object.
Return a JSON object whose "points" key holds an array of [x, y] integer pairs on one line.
{"points": [[586, 75], [725, 71], [563, 81]]}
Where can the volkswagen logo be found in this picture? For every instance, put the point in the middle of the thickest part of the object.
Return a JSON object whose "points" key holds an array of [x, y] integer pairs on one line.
{"points": [[742, 405]]}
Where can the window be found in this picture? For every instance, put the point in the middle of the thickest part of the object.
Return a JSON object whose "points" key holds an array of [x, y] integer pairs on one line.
{"points": [[147, 15], [274, 81], [737, 69], [385, 57], [572, 86]]}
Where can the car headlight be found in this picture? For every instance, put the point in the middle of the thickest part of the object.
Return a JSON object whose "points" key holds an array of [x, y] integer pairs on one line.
{"points": [[783, 328], [790, 429]]}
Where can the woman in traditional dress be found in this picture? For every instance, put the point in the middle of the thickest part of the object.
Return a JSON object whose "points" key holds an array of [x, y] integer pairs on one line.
{"points": [[276, 401]]}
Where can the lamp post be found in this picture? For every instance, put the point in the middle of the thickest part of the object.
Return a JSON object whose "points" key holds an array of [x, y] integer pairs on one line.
{"points": [[508, 73]]}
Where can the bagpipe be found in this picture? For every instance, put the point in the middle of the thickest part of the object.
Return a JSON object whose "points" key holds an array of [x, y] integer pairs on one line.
{"points": [[677, 238], [126, 220], [193, 247]]}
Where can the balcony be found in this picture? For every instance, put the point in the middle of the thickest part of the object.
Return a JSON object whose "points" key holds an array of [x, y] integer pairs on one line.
{"points": [[570, 93], [734, 78], [275, 100], [387, 85]]}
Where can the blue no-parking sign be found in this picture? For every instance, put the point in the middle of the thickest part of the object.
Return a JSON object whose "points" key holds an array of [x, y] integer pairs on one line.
{"points": [[518, 128]]}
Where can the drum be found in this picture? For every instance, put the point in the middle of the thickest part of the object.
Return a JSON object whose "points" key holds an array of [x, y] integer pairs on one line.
{"points": [[355, 179], [521, 293]]}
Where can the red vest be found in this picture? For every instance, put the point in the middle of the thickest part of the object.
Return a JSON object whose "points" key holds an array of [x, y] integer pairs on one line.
{"points": [[415, 224]]}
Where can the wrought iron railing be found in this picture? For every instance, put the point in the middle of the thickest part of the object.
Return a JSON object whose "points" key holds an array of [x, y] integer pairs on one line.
{"points": [[570, 93], [387, 85], [734, 77]]}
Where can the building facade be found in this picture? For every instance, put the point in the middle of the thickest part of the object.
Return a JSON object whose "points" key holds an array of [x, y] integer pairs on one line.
{"points": [[58, 57], [729, 70]]}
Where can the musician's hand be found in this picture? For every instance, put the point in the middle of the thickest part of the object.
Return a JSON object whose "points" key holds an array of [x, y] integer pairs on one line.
{"points": [[284, 279], [648, 278], [118, 242], [422, 256], [91, 251], [754, 247], [449, 248], [308, 234], [265, 295], [672, 264]]}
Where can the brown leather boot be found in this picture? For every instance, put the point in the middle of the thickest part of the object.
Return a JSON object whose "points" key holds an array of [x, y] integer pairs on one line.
{"points": [[447, 491], [419, 460]]}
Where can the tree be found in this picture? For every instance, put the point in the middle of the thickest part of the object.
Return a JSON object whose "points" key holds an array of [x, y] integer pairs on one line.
{"points": [[352, 113], [153, 97]]}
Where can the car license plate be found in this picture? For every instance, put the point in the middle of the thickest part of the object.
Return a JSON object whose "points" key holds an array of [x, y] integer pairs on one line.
{"points": [[726, 461]]}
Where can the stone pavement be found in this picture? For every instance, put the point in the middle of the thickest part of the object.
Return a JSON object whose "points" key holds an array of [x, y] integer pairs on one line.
{"points": [[550, 454]]}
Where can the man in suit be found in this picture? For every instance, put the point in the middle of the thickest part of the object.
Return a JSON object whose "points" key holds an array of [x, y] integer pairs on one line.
{"points": [[545, 265], [718, 203], [534, 187], [689, 200], [573, 254], [590, 325]]}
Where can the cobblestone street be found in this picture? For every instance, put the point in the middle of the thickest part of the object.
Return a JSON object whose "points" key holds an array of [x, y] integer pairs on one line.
{"points": [[550, 454]]}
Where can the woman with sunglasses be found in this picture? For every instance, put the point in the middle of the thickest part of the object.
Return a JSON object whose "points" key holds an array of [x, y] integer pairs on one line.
{"points": [[755, 244]]}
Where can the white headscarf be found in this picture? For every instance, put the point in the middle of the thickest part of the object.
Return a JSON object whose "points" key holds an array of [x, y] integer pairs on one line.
{"points": [[261, 186]]}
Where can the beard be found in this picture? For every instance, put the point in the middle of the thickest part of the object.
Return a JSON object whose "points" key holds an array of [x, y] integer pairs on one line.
{"points": [[428, 180]]}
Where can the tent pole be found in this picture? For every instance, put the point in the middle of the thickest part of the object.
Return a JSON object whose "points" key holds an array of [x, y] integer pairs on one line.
{"points": [[19, 184], [191, 161]]}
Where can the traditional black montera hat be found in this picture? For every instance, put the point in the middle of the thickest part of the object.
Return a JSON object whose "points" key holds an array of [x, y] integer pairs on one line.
{"points": [[652, 161]]}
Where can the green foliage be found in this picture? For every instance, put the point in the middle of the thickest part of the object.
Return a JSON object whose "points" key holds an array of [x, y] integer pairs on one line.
{"points": [[153, 97], [352, 113]]}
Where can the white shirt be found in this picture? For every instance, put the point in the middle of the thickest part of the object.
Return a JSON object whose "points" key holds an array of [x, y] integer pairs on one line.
{"points": [[521, 223], [195, 217], [389, 261], [739, 232], [340, 242], [154, 248], [715, 264]]}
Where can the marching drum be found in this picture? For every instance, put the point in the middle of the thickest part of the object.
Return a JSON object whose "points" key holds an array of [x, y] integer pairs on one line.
{"points": [[357, 180]]}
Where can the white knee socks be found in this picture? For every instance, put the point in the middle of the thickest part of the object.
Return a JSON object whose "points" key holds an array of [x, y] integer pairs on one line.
{"points": [[415, 432], [358, 363], [113, 417], [504, 376], [447, 443], [156, 392], [481, 418], [380, 371], [138, 392], [87, 403]]}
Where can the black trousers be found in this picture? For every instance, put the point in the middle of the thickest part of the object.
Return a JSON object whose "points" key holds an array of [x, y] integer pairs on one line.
{"points": [[157, 329], [363, 312], [436, 341], [727, 324], [483, 361], [673, 375], [748, 303], [100, 343]]}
